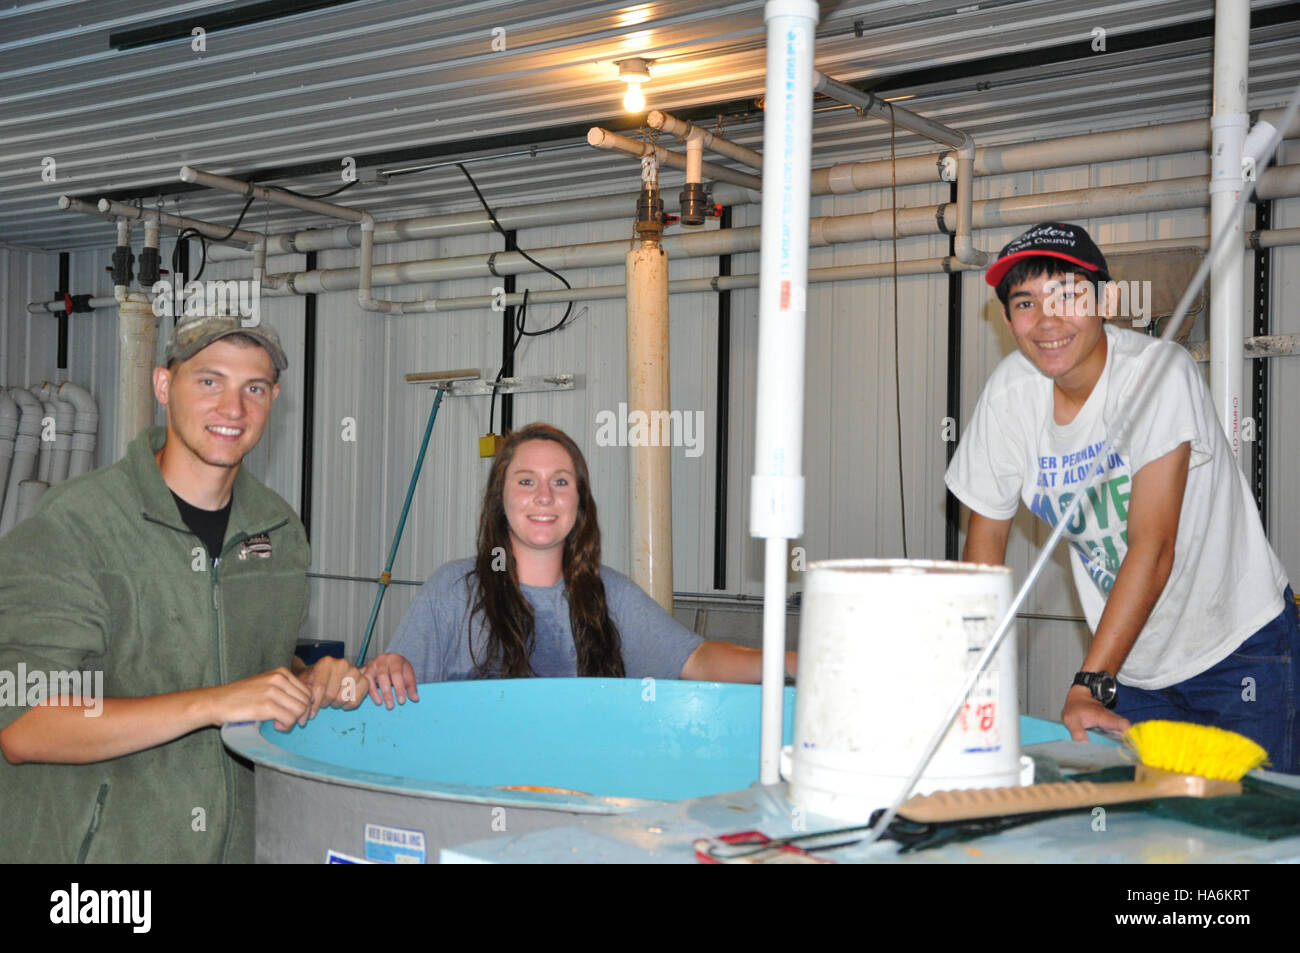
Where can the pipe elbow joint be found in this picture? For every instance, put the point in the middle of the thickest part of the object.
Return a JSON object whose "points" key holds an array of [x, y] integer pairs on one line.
{"points": [[78, 397], [374, 304], [966, 252]]}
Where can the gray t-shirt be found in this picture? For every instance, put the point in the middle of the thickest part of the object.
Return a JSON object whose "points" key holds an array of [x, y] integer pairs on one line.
{"points": [[434, 636]]}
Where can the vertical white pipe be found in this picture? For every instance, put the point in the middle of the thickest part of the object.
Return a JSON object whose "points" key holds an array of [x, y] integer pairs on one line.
{"points": [[81, 457], [49, 427], [776, 489], [65, 418], [695, 156], [648, 393], [137, 347], [26, 447], [1227, 281]]}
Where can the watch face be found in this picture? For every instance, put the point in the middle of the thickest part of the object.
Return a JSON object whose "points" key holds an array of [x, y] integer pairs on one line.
{"points": [[1105, 689], [1102, 685]]}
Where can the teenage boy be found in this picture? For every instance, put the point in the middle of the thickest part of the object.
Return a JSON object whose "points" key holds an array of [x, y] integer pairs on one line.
{"points": [[1191, 613], [177, 581]]}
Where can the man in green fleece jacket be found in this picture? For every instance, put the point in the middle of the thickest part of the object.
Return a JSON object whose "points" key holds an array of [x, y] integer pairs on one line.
{"points": [[144, 605]]}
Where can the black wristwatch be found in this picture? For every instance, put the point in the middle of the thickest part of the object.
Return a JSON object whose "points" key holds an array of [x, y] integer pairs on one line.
{"points": [[1103, 686]]}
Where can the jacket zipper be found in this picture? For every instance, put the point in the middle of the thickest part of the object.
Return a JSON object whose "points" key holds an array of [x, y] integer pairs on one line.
{"points": [[221, 679], [227, 770]]}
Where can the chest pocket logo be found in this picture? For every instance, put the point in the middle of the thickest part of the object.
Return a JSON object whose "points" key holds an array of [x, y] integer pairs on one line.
{"points": [[259, 546]]}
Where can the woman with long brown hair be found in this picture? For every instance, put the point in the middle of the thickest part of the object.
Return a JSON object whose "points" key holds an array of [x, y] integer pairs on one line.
{"points": [[535, 600]]}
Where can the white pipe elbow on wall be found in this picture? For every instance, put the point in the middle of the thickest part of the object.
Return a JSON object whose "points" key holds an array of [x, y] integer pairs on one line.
{"points": [[364, 298], [85, 426], [963, 244]]}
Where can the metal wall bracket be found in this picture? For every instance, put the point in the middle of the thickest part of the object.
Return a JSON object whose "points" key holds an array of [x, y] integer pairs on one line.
{"points": [[507, 385]]}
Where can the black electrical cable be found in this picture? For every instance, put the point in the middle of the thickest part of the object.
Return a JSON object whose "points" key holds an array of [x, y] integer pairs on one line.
{"points": [[186, 234], [323, 195], [521, 314]]}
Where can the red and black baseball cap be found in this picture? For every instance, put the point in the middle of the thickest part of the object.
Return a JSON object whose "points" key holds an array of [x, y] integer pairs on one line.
{"points": [[1055, 240]]}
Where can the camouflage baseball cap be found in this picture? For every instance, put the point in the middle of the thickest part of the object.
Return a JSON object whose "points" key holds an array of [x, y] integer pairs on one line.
{"points": [[193, 334]]}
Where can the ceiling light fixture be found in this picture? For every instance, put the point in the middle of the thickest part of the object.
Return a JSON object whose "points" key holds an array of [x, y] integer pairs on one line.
{"points": [[635, 72]]}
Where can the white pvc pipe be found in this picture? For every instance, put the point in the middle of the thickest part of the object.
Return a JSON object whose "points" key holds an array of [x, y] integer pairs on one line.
{"points": [[910, 266], [364, 297], [9, 414], [85, 425], [26, 448], [1189, 192], [57, 307], [65, 416], [137, 347], [1168, 139], [658, 119], [207, 229], [777, 486], [604, 139], [1227, 283], [29, 494], [648, 392], [695, 158], [963, 244], [49, 423], [278, 196], [867, 103], [1018, 210]]}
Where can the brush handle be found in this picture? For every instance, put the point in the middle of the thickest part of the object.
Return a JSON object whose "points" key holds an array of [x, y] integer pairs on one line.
{"points": [[1059, 796]]}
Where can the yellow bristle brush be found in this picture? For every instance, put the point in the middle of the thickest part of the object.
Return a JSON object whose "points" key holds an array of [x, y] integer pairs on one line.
{"points": [[1176, 759]]}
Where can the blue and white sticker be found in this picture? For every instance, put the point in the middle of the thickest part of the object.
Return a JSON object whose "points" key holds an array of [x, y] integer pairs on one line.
{"points": [[394, 845], [337, 857]]}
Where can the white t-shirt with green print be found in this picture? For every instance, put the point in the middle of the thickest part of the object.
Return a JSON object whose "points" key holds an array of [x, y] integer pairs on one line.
{"points": [[1226, 582]]}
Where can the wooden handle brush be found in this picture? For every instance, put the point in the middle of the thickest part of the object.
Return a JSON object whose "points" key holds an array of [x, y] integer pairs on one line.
{"points": [[1177, 760]]}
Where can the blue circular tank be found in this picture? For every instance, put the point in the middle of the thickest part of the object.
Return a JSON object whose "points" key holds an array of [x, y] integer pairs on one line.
{"points": [[471, 759]]}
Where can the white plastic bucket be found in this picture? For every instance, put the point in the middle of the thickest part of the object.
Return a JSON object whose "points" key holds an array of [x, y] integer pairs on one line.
{"points": [[884, 647]]}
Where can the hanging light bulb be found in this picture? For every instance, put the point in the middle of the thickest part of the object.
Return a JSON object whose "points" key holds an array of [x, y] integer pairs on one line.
{"points": [[634, 72], [634, 99]]}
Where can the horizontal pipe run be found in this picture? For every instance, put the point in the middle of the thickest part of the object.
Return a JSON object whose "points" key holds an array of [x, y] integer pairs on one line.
{"points": [[604, 139], [542, 215], [658, 119], [1274, 238], [110, 209], [1189, 192], [1169, 139], [866, 103], [914, 266], [278, 196]]}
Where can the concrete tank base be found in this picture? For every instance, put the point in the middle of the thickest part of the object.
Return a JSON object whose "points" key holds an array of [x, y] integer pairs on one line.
{"points": [[475, 760]]}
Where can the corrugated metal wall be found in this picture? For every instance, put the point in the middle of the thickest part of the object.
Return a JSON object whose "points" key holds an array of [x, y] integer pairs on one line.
{"points": [[851, 433]]}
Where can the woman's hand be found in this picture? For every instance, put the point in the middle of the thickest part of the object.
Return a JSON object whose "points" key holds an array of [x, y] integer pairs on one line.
{"points": [[390, 676]]}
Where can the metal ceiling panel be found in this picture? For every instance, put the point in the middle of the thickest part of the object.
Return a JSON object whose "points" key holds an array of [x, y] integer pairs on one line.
{"points": [[376, 78]]}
